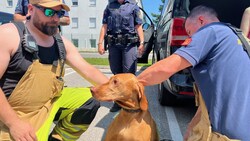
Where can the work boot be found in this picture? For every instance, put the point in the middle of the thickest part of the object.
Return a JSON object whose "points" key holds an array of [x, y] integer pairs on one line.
{"points": [[115, 108]]}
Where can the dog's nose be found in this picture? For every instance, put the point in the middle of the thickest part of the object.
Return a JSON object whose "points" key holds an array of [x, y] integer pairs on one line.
{"points": [[92, 89]]}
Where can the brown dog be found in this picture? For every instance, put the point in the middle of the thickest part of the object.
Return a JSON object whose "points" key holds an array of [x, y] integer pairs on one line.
{"points": [[134, 122]]}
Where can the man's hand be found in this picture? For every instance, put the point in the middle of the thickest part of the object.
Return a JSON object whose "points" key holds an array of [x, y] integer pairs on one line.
{"points": [[19, 18], [22, 131], [101, 49], [140, 50], [64, 21]]}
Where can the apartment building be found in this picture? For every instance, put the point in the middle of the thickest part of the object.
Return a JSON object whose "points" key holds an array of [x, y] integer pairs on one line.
{"points": [[86, 21], [86, 17], [8, 5]]}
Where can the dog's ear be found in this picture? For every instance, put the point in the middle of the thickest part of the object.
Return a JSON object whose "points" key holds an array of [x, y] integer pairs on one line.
{"points": [[142, 96]]}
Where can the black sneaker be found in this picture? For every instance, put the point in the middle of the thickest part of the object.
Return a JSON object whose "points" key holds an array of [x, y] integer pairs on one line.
{"points": [[115, 108]]}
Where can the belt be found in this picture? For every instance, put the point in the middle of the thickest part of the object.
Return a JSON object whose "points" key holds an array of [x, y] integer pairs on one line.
{"points": [[123, 39]]}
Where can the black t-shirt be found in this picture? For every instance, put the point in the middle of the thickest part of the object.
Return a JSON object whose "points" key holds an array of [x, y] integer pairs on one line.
{"points": [[48, 54], [21, 61]]}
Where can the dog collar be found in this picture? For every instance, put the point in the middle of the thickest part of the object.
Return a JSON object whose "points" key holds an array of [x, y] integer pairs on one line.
{"points": [[132, 110]]}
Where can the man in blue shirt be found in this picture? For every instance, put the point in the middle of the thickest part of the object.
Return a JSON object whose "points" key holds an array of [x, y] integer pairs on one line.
{"points": [[122, 23], [220, 67], [21, 12]]}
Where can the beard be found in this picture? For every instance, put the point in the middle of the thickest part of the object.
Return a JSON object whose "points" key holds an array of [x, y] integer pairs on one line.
{"points": [[48, 28]]}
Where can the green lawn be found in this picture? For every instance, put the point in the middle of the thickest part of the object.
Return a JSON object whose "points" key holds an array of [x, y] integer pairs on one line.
{"points": [[104, 62]]}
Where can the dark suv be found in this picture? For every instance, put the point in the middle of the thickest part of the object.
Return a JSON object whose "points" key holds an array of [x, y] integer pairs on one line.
{"points": [[5, 17], [170, 34]]}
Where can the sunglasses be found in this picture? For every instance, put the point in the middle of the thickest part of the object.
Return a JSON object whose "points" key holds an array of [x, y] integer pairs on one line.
{"points": [[50, 12]]}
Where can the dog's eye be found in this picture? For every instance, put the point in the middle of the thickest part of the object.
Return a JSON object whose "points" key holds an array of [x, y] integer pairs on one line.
{"points": [[115, 82]]}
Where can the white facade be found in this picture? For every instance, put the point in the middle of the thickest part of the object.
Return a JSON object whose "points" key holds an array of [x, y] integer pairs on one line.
{"points": [[8, 5], [86, 20]]}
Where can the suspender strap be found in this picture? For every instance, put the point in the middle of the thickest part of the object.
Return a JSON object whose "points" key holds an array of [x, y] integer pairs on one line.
{"points": [[61, 47], [239, 33], [27, 40], [20, 27], [62, 52]]}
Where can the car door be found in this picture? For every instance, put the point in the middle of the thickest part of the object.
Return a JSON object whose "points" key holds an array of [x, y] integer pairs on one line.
{"points": [[5, 18], [148, 31]]}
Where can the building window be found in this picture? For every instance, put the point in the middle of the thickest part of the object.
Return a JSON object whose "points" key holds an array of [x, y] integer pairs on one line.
{"points": [[93, 43], [74, 23], [92, 3], [74, 2], [10, 3], [75, 42], [92, 22]]}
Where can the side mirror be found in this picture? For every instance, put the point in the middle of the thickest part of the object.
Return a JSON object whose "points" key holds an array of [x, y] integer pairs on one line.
{"points": [[145, 26]]}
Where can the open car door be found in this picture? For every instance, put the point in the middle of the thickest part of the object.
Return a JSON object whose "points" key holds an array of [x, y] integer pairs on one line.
{"points": [[5, 17], [149, 33]]}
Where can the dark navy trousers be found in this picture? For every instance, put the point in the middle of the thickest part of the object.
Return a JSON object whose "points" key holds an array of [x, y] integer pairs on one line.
{"points": [[123, 58]]}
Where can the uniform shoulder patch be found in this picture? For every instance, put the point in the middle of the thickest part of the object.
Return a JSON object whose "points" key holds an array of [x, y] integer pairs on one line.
{"points": [[187, 42], [139, 14]]}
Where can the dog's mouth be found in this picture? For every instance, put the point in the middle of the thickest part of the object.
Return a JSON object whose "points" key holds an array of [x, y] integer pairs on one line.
{"points": [[127, 106], [102, 98]]}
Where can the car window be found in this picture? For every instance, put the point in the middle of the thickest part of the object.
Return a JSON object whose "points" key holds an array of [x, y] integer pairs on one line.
{"points": [[167, 12], [181, 8], [145, 26], [5, 17], [166, 9], [147, 22]]}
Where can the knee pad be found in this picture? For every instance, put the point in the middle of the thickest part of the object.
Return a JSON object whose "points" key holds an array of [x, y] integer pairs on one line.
{"points": [[85, 113]]}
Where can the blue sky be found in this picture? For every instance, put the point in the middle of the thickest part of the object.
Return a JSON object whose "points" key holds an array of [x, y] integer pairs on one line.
{"points": [[151, 6]]}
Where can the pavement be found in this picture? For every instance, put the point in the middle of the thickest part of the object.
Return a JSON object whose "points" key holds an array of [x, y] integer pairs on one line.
{"points": [[94, 55]]}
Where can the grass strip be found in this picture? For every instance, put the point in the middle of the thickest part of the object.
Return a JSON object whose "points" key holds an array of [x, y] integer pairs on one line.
{"points": [[105, 62]]}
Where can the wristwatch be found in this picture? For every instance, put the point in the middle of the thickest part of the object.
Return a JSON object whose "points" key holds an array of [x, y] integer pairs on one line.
{"points": [[142, 43]]}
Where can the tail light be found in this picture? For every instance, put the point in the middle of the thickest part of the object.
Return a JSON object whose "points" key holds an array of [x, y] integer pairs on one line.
{"points": [[186, 93], [177, 31]]}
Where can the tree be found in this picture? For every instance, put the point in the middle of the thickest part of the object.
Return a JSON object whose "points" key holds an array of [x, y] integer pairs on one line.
{"points": [[156, 16]]}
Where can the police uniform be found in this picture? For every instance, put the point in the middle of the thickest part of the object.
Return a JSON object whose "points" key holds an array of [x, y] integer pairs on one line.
{"points": [[121, 20]]}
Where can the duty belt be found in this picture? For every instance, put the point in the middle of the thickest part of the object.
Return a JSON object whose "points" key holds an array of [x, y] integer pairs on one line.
{"points": [[122, 39]]}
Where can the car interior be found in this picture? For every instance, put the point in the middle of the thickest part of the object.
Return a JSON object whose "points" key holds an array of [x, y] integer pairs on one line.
{"points": [[228, 10]]}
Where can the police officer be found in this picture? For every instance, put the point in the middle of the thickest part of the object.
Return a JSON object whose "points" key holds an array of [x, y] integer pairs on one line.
{"points": [[122, 29]]}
